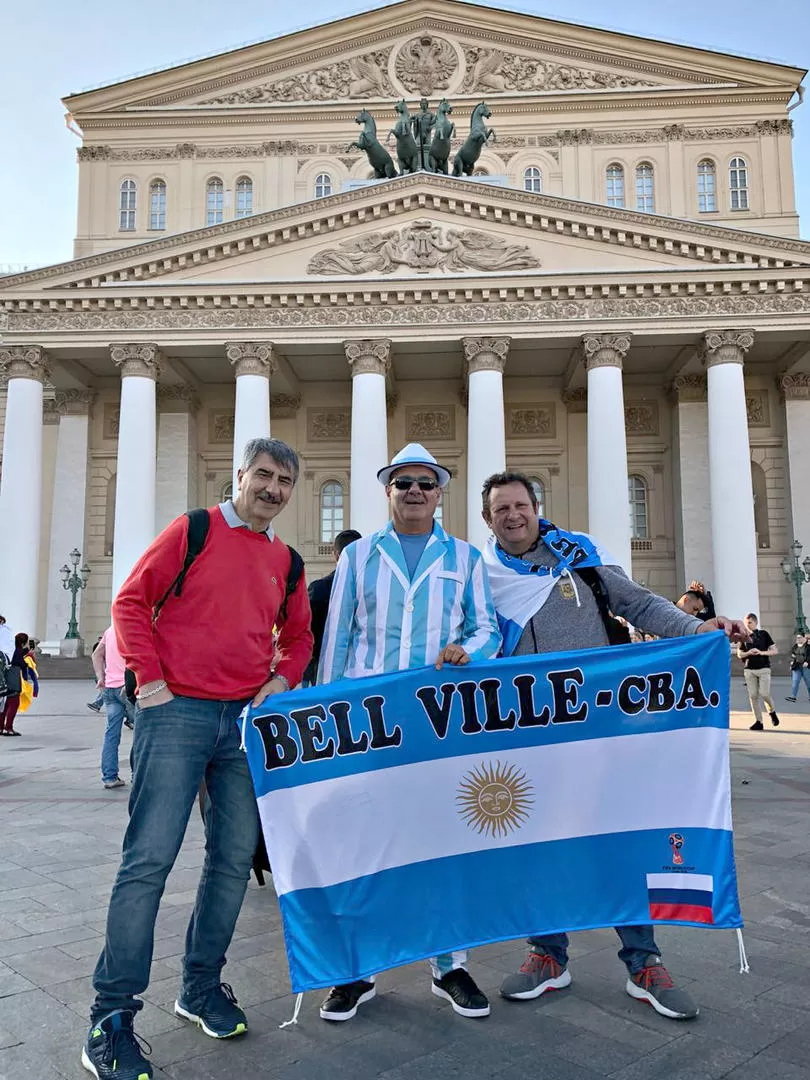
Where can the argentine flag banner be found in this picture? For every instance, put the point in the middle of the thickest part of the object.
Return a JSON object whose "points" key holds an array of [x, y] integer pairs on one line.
{"points": [[426, 811]]}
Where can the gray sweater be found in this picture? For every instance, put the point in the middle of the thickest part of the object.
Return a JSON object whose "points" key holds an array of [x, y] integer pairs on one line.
{"points": [[560, 625]]}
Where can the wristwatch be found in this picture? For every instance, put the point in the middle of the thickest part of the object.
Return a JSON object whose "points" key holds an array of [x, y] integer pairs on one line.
{"points": [[281, 678]]}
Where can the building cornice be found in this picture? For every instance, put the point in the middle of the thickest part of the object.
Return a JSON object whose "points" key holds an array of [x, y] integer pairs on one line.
{"points": [[420, 192]]}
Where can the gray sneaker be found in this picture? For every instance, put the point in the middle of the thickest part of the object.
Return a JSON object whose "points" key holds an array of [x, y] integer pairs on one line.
{"points": [[654, 985], [117, 782], [538, 973]]}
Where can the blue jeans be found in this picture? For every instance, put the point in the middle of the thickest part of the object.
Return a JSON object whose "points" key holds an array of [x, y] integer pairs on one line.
{"points": [[116, 711], [637, 944], [175, 747], [796, 677]]}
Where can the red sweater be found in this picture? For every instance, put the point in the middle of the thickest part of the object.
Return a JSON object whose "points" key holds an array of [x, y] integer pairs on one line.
{"points": [[215, 640]]}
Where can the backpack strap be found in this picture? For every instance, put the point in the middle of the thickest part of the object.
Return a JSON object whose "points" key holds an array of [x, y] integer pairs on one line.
{"points": [[198, 523], [617, 633], [294, 576]]}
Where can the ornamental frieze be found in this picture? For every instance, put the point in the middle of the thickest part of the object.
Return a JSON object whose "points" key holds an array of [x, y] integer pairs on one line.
{"points": [[422, 246], [641, 417], [328, 425], [495, 71], [414, 314], [756, 408], [532, 421], [357, 77], [431, 424], [426, 64]]}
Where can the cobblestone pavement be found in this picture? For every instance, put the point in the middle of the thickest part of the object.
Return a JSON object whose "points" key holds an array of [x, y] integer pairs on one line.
{"points": [[59, 846]]}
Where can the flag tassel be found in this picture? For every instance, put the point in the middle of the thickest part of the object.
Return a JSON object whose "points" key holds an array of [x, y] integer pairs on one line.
{"points": [[294, 1018], [744, 968]]}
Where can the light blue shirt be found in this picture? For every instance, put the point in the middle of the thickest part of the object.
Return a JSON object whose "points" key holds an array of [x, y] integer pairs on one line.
{"points": [[233, 520], [413, 544]]}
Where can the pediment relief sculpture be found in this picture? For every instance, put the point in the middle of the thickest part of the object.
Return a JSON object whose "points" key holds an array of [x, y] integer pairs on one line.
{"points": [[496, 71], [422, 246], [426, 64], [358, 77]]}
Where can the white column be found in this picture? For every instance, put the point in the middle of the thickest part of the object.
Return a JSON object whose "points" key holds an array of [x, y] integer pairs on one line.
{"points": [[734, 547], [608, 503], [137, 451], [485, 359], [21, 486], [69, 504], [176, 485], [253, 365], [796, 392], [369, 360], [692, 510]]}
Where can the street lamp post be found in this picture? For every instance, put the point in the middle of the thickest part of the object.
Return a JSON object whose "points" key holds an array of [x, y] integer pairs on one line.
{"points": [[74, 580], [798, 574]]}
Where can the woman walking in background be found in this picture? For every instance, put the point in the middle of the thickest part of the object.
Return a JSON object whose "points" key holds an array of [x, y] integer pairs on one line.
{"points": [[800, 665], [17, 672], [30, 686]]}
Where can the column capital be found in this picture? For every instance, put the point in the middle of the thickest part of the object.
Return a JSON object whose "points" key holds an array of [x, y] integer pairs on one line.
{"points": [[251, 358], [726, 346], [485, 353], [134, 358], [368, 356], [50, 413], [75, 402], [576, 400], [24, 362], [794, 387], [604, 350], [177, 398], [689, 388]]}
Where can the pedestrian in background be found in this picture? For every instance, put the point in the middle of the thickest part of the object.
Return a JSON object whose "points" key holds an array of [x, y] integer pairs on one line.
{"points": [[319, 593], [108, 665], [756, 656], [16, 673], [799, 665]]}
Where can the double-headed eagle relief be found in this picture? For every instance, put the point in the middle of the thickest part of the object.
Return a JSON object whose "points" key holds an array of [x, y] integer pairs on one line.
{"points": [[423, 140]]}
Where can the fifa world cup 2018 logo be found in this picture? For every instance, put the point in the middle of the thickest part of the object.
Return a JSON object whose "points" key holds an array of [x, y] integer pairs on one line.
{"points": [[676, 843]]}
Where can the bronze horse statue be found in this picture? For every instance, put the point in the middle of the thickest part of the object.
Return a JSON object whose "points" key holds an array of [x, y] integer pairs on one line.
{"points": [[378, 157], [443, 132], [407, 150], [466, 157]]}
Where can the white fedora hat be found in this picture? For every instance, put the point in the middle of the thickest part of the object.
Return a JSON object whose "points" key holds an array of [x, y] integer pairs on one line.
{"points": [[414, 454]]}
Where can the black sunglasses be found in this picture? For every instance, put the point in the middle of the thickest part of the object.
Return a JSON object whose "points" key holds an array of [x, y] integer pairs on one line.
{"points": [[405, 483]]}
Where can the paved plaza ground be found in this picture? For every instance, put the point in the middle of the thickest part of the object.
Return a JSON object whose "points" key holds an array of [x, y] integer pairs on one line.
{"points": [[59, 846]]}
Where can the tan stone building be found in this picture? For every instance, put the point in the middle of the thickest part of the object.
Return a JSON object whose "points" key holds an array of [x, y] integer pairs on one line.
{"points": [[617, 303]]}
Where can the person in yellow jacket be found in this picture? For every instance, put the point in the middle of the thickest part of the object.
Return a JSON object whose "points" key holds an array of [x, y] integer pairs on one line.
{"points": [[30, 685]]}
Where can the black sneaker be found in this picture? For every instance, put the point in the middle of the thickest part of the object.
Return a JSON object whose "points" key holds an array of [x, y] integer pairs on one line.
{"points": [[774, 718], [342, 1002], [113, 1050], [757, 726], [459, 988], [654, 985], [790, 698], [91, 705], [217, 1014]]}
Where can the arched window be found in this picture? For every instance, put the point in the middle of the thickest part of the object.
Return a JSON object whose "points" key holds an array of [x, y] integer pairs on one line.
{"points": [[157, 204], [707, 187], [539, 489], [226, 491], [481, 171], [126, 207], [637, 493], [614, 185], [532, 179], [214, 201], [323, 185], [645, 188], [331, 511], [438, 517], [738, 183], [109, 515], [244, 196]]}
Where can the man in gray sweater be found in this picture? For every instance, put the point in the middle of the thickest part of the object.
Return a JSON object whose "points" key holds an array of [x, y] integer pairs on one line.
{"points": [[574, 612]]}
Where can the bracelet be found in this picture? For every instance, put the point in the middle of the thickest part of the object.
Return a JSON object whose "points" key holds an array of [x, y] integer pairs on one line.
{"points": [[151, 693], [281, 678]]}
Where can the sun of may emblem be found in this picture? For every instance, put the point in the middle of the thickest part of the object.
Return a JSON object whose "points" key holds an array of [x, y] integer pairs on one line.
{"points": [[495, 799]]}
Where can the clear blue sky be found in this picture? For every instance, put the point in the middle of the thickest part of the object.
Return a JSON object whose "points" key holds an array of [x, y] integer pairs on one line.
{"points": [[51, 49]]}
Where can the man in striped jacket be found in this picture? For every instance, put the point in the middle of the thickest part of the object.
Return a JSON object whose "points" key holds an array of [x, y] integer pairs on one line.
{"points": [[404, 597]]}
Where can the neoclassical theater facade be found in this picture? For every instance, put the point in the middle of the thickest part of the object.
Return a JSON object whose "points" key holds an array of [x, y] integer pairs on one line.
{"points": [[616, 302]]}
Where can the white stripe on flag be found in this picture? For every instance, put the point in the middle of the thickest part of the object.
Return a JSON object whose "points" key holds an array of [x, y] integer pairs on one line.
{"points": [[340, 829], [701, 882]]}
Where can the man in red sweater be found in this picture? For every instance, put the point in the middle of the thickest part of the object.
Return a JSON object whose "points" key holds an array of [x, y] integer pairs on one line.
{"points": [[208, 653]]}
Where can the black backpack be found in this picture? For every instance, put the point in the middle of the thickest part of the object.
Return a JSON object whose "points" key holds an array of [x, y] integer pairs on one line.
{"points": [[198, 523]]}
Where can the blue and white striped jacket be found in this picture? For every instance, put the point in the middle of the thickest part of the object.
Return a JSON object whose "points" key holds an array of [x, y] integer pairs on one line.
{"points": [[379, 620]]}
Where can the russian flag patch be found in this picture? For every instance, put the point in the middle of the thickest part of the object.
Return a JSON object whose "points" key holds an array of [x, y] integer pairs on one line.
{"points": [[682, 897]]}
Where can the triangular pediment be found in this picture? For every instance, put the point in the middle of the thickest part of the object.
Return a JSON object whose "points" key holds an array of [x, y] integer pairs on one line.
{"points": [[425, 226], [433, 48]]}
